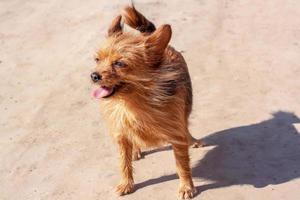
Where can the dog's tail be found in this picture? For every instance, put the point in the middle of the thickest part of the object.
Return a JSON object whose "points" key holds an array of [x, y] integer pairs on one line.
{"points": [[136, 20]]}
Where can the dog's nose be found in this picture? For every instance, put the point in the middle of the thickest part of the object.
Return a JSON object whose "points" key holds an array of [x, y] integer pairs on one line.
{"points": [[95, 76]]}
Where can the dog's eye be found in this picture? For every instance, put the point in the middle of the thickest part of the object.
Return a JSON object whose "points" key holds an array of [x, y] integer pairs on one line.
{"points": [[97, 60], [119, 64]]}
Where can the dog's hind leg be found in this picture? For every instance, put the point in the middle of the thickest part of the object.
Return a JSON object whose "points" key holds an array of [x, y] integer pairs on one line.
{"points": [[137, 153], [194, 142]]}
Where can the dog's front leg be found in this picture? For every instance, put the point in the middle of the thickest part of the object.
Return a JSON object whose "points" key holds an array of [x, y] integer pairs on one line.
{"points": [[125, 149], [186, 188]]}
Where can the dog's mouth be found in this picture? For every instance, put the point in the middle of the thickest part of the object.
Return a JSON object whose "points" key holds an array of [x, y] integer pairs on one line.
{"points": [[103, 92]]}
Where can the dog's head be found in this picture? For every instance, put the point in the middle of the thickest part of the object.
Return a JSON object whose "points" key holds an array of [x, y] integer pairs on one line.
{"points": [[125, 62]]}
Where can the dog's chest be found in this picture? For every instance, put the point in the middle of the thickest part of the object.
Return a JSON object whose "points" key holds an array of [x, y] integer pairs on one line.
{"points": [[118, 115], [135, 125]]}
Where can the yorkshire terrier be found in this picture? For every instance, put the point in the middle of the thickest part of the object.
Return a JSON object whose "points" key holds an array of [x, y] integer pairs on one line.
{"points": [[146, 95]]}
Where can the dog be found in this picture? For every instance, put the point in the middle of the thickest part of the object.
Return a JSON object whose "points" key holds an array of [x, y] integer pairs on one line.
{"points": [[146, 95]]}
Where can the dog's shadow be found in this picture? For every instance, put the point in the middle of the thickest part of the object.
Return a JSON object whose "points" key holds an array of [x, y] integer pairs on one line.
{"points": [[258, 154]]}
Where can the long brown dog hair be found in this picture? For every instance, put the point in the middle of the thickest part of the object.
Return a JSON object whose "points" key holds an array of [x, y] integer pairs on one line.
{"points": [[152, 97]]}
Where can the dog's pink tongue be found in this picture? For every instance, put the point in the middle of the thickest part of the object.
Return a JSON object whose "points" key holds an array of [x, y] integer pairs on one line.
{"points": [[101, 92]]}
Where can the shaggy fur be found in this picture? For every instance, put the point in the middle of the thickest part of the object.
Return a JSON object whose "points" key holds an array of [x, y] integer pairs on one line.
{"points": [[152, 97]]}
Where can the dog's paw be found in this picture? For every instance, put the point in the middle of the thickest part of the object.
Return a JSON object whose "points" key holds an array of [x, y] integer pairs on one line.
{"points": [[198, 143], [186, 192], [137, 155], [124, 188]]}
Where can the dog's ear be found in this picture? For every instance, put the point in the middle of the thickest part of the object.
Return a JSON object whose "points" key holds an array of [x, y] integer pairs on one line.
{"points": [[115, 27], [136, 20], [159, 40]]}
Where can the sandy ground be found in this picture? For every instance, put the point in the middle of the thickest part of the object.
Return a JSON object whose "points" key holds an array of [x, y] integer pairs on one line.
{"points": [[244, 60]]}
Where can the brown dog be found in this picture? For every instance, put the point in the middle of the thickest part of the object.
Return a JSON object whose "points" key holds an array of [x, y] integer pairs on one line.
{"points": [[146, 95]]}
